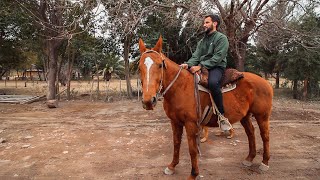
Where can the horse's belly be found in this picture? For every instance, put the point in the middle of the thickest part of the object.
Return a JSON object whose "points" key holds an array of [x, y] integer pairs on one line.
{"points": [[213, 122]]}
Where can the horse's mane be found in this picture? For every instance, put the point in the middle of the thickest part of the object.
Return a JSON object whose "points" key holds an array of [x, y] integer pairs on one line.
{"points": [[176, 66]]}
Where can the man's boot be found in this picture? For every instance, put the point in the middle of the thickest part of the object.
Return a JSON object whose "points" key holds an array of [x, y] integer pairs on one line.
{"points": [[224, 123]]}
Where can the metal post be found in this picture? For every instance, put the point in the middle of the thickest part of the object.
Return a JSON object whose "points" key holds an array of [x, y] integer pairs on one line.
{"points": [[120, 89], [138, 87]]}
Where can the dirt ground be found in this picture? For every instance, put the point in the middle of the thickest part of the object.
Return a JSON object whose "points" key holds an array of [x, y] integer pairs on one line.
{"points": [[120, 140]]}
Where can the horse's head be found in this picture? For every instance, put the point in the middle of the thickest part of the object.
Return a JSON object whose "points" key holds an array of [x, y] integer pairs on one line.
{"points": [[151, 73]]}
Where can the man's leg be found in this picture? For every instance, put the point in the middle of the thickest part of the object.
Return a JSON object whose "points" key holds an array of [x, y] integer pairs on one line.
{"points": [[214, 79]]}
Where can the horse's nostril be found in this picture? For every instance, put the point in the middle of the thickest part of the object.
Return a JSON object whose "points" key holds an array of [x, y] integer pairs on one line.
{"points": [[154, 100]]}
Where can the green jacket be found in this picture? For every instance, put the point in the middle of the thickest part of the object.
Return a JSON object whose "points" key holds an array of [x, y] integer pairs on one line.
{"points": [[211, 51]]}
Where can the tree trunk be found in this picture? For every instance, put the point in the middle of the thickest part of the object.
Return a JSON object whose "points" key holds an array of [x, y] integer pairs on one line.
{"points": [[238, 52], [239, 61], [45, 60], [69, 73], [305, 89], [127, 40], [52, 72], [2, 73], [51, 50], [277, 80], [59, 66], [295, 89], [98, 80]]}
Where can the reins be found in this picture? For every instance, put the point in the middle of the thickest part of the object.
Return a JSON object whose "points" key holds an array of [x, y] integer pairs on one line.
{"points": [[171, 83], [198, 108]]}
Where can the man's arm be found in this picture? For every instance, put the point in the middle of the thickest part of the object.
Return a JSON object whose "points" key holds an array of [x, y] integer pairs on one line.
{"points": [[195, 59], [219, 54]]}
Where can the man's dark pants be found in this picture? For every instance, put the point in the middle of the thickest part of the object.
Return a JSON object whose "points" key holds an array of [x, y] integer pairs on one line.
{"points": [[214, 80]]}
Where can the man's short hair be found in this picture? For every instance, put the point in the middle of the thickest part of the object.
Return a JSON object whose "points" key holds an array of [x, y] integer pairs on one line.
{"points": [[214, 18]]}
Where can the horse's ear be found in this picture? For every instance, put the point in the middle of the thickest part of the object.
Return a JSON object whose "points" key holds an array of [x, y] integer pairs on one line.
{"points": [[142, 47], [158, 46]]}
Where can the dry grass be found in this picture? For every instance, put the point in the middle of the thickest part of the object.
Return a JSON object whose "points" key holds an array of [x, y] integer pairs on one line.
{"points": [[114, 87]]}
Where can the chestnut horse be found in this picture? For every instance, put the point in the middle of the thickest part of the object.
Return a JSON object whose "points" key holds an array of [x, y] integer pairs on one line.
{"points": [[253, 95]]}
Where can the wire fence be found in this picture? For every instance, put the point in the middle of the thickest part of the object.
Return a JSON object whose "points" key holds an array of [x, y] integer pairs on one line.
{"points": [[95, 89]]}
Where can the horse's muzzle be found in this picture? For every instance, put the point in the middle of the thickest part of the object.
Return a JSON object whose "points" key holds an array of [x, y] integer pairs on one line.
{"points": [[149, 104]]}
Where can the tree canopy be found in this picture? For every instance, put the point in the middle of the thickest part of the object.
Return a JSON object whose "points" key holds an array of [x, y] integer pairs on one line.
{"points": [[271, 38]]}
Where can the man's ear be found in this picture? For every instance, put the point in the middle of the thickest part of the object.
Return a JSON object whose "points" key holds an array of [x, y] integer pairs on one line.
{"points": [[142, 47], [158, 46], [214, 24]]}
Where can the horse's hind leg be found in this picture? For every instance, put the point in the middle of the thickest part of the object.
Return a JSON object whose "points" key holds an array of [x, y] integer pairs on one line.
{"points": [[205, 134], [263, 122], [177, 130], [247, 124], [231, 133]]}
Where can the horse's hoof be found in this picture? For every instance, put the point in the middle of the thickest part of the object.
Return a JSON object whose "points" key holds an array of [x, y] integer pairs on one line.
{"points": [[263, 167], [231, 133], [194, 178], [203, 140], [221, 133], [168, 171], [247, 163]]}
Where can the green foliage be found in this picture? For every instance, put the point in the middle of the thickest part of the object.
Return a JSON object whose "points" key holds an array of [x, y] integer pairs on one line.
{"points": [[10, 58], [292, 50], [15, 39], [253, 62], [113, 64], [179, 35], [96, 53], [303, 54]]}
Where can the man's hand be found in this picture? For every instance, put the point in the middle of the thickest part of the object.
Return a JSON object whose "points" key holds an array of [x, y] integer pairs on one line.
{"points": [[184, 66], [194, 69]]}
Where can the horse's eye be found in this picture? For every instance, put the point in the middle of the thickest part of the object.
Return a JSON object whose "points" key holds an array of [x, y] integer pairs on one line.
{"points": [[160, 65]]}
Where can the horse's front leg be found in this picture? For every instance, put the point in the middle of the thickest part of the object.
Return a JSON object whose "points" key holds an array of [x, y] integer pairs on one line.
{"points": [[192, 133], [177, 130]]}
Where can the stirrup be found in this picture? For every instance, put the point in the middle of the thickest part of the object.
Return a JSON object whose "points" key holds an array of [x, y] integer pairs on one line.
{"points": [[224, 123]]}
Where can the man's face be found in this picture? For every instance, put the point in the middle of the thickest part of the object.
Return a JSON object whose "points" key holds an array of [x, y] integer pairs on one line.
{"points": [[208, 25]]}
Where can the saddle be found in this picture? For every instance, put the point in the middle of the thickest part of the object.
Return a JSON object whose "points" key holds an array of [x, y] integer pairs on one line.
{"points": [[228, 81], [230, 76]]}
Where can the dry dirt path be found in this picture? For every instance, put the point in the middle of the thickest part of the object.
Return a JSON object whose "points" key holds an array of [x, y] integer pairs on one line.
{"points": [[120, 140]]}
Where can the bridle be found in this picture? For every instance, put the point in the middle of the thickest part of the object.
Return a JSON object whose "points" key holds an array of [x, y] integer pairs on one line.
{"points": [[163, 66]]}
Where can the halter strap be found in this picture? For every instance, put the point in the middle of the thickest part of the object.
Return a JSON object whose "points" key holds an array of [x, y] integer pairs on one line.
{"points": [[150, 50], [162, 73]]}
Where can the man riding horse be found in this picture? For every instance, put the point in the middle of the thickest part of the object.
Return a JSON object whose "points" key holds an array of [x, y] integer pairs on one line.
{"points": [[211, 54]]}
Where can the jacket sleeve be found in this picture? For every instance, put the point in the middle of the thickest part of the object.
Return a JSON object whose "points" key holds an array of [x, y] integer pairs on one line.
{"points": [[218, 55], [195, 58]]}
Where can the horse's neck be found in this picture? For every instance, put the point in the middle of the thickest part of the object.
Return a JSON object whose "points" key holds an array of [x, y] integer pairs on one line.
{"points": [[170, 73]]}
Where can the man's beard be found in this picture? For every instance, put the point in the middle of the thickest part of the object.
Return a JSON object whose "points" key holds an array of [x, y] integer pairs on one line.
{"points": [[208, 30]]}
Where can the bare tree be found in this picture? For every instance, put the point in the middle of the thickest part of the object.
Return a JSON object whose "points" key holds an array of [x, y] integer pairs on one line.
{"points": [[242, 19], [125, 16], [57, 21], [291, 31]]}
